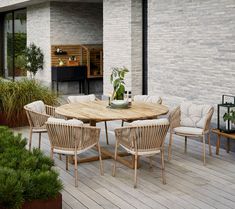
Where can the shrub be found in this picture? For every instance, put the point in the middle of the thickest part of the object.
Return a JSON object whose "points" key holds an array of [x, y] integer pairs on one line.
{"points": [[14, 95], [24, 175]]}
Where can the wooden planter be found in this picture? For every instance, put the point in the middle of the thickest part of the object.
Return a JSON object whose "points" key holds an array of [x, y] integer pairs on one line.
{"points": [[55, 203], [44, 204], [14, 122]]}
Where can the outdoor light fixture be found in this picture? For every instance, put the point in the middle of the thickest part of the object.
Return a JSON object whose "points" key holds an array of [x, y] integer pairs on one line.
{"points": [[226, 114]]}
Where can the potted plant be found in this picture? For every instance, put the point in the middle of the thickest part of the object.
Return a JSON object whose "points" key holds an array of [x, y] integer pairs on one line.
{"points": [[14, 95], [27, 179], [229, 118], [34, 59], [117, 79]]}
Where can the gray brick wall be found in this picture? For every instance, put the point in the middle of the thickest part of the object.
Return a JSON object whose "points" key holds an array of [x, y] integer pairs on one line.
{"points": [[38, 32], [191, 50], [122, 41], [76, 23]]}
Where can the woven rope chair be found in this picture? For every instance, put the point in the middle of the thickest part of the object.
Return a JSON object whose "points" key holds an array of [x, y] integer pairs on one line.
{"points": [[145, 99], [87, 98], [37, 120], [72, 140], [175, 122], [142, 140]]}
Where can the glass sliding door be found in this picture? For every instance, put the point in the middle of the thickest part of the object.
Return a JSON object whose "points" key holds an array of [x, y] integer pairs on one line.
{"points": [[19, 42], [15, 39], [8, 45]]}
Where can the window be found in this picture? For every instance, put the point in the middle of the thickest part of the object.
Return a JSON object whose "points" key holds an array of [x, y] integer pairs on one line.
{"points": [[14, 43]]}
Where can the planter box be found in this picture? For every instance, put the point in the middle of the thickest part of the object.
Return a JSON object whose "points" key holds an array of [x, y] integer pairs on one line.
{"points": [[13, 122], [55, 203], [44, 204]]}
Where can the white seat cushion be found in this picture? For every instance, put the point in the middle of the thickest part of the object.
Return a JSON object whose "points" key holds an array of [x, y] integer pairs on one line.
{"points": [[37, 106], [65, 122], [162, 121], [147, 99], [81, 98], [193, 115], [188, 130]]}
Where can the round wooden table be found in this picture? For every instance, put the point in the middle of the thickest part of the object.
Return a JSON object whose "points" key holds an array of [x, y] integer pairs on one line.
{"points": [[98, 111]]}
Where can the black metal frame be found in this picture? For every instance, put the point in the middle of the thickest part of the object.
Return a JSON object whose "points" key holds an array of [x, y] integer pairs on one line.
{"points": [[145, 46], [228, 106]]}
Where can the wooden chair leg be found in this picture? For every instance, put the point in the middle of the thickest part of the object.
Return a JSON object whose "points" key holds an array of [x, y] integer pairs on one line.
{"points": [[100, 158], [204, 150], [209, 143], [67, 162], [76, 169], [163, 167], [150, 162], [169, 147], [52, 153], [135, 177], [39, 140], [115, 159], [106, 132], [185, 144], [30, 138]]}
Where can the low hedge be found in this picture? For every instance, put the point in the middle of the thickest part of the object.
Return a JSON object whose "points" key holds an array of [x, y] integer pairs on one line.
{"points": [[24, 175]]}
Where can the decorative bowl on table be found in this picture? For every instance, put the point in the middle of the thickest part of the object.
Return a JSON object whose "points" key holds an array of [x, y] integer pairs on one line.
{"points": [[119, 104]]}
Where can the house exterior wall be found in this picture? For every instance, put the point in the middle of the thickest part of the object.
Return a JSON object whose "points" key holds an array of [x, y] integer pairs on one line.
{"points": [[122, 22], [38, 32], [191, 46], [76, 23]]}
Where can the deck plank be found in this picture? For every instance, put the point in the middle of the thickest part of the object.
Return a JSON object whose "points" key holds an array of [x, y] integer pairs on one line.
{"points": [[189, 183]]}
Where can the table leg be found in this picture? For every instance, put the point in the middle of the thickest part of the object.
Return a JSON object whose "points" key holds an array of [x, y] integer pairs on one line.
{"points": [[228, 145], [218, 144]]}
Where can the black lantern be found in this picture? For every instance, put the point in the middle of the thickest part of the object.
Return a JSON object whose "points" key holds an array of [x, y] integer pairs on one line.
{"points": [[226, 114]]}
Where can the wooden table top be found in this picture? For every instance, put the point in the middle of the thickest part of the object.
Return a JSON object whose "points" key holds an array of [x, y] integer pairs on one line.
{"points": [[228, 135], [98, 111]]}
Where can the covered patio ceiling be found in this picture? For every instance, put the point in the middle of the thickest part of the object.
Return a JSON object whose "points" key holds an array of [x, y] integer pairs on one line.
{"points": [[6, 5]]}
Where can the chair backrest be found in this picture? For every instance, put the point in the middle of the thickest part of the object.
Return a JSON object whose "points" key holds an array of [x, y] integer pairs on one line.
{"points": [[37, 106], [147, 99], [36, 113], [144, 135], [194, 115], [71, 134], [81, 98]]}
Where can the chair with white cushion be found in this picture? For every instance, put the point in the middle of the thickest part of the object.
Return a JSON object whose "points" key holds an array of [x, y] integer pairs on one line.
{"points": [[38, 113], [191, 120], [145, 99], [87, 98], [142, 138], [71, 138]]}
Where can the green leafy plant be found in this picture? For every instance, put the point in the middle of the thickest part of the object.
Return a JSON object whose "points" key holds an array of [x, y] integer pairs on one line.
{"points": [[24, 175], [230, 116], [34, 59], [14, 95], [117, 79]]}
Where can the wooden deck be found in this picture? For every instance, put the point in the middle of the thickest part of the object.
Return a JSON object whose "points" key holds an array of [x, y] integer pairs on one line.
{"points": [[189, 183]]}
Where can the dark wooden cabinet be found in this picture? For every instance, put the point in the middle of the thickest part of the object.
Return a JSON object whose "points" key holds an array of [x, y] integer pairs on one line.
{"points": [[70, 74]]}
